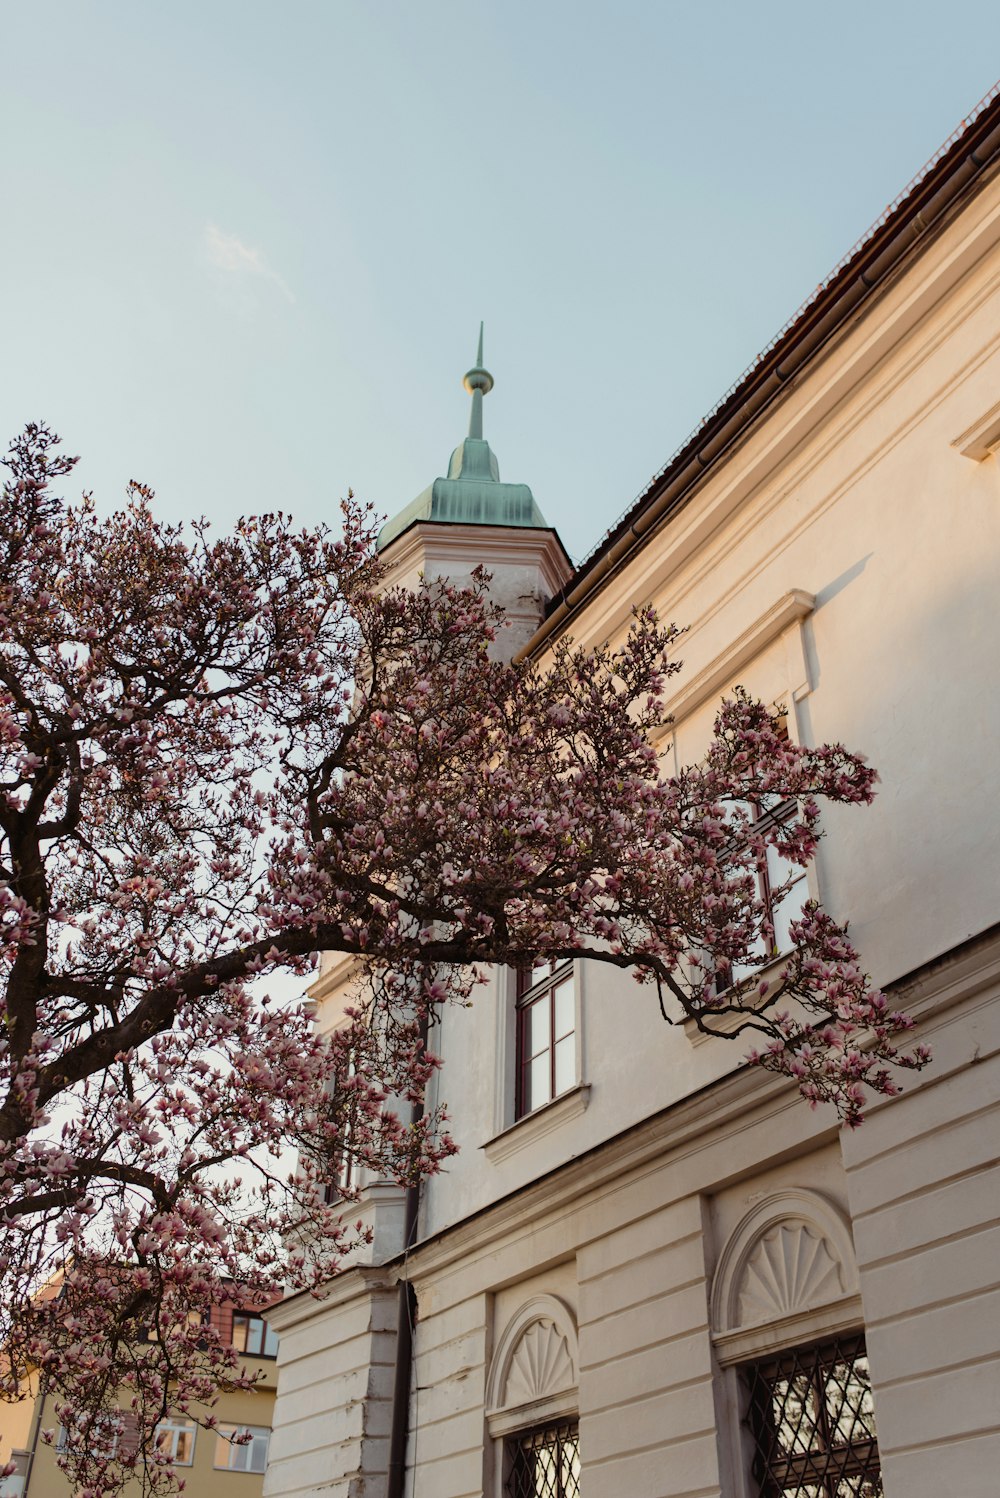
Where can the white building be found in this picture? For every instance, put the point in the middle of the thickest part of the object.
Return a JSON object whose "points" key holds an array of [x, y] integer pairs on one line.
{"points": [[624, 1260]]}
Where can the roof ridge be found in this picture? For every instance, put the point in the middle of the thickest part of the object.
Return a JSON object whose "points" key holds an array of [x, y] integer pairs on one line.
{"points": [[800, 312]]}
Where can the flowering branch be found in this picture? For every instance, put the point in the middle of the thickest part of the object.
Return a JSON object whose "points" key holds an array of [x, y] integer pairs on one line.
{"points": [[219, 756]]}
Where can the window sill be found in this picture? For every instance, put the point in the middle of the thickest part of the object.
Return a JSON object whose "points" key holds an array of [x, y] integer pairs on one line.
{"points": [[534, 1126], [982, 438], [729, 1024]]}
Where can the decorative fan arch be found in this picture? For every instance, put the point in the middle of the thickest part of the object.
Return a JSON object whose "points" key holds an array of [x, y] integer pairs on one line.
{"points": [[788, 1266], [533, 1375]]}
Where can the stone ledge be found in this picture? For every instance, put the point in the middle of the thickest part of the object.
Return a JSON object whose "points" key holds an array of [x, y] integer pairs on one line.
{"points": [[536, 1125]]}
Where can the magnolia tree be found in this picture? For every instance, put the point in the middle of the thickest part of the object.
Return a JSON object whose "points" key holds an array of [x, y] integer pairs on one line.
{"points": [[219, 756]]}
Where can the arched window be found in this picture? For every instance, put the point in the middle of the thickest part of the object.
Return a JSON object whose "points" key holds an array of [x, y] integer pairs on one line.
{"points": [[787, 1332], [532, 1404]]}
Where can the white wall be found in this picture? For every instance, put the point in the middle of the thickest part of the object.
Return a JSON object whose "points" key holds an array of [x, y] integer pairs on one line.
{"points": [[856, 550], [854, 496]]}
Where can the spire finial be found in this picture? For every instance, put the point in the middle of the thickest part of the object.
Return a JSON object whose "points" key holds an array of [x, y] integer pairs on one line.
{"points": [[478, 382]]}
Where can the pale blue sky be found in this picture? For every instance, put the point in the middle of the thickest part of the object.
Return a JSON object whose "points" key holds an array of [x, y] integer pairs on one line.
{"points": [[246, 246]]}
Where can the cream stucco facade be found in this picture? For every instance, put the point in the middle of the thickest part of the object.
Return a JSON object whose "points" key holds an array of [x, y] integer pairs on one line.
{"points": [[615, 1257]]}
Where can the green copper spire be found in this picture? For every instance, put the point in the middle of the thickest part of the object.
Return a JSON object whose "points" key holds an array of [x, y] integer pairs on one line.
{"points": [[478, 382], [472, 493]]}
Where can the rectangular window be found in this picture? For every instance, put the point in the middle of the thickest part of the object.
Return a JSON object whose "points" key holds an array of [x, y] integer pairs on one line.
{"points": [[175, 1439], [546, 1034], [245, 1456], [774, 873], [813, 1423], [252, 1335], [13, 1486], [345, 1170], [98, 1434], [544, 1463], [151, 1332]]}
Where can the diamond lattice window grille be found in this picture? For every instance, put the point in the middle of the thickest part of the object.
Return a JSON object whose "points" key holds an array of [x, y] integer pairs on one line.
{"points": [[813, 1423], [545, 1463]]}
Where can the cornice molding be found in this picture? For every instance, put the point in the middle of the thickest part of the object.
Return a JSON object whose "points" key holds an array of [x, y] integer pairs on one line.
{"points": [[334, 977], [742, 1100], [358, 1283], [816, 404], [769, 435], [689, 1125], [475, 545], [953, 978]]}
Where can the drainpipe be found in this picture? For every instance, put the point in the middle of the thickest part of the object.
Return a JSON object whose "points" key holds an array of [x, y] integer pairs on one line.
{"points": [[405, 1319], [43, 1395], [406, 1315]]}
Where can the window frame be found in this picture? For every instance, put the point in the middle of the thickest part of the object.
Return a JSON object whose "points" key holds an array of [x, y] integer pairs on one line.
{"points": [[91, 1427], [221, 1437], [345, 1179], [728, 979], [177, 1426], [268, 1336], [764, 663], [816, 1362], [813, 1319], [13, 1485], [555, 1401], [561, 1431], [528, 996]]}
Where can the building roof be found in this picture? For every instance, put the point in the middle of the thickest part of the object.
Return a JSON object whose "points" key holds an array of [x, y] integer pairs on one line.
{"points": [[472, 493], [903, 228]]}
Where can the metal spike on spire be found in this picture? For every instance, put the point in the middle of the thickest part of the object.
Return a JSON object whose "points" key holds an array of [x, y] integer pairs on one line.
{"points": [[479, 382], [471, 492]]}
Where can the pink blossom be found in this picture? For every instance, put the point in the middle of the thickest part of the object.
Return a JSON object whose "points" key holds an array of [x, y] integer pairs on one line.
{"points": [[220, 755]]}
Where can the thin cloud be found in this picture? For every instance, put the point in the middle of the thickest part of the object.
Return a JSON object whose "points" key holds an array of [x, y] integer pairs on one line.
{"points": [[229, 253]]}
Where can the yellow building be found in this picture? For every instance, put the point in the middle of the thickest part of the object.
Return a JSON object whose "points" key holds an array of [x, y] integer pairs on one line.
{"points": [[208, 1461]]}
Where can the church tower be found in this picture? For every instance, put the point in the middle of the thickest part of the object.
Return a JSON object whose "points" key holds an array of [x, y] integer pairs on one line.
{"points": [[334, 1432], [470, 519]]}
